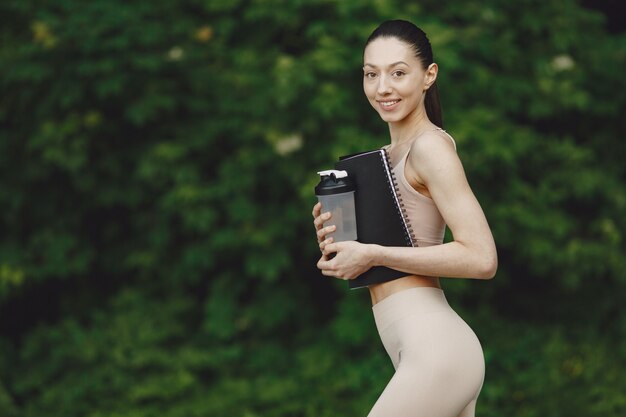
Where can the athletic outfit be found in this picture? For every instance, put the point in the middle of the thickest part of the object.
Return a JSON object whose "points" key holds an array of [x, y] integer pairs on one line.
{"points": [[438, 359]]}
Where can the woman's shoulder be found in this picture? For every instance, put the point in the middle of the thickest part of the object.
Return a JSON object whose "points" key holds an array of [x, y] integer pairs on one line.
{"points": [[433, 153], [435, 140]]}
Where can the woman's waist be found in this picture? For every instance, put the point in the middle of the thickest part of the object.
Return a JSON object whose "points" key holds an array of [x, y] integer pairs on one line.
{"points": [[416, 300], [379, 292]]}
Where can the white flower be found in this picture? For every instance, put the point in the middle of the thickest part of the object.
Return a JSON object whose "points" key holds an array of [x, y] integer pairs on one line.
{"points": [[288, 144], [175, 54], [562, 62]]}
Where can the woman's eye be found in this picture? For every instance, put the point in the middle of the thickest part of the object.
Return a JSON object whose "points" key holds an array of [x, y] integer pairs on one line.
{"points": [[398, 73], [370, 74]]}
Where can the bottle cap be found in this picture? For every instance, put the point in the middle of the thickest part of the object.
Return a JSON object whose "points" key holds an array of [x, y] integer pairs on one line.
{"points": [[335, 172], [334, 182]]}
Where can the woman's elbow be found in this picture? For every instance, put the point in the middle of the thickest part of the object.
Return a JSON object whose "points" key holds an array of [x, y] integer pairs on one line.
{"points": [[488, 266]]}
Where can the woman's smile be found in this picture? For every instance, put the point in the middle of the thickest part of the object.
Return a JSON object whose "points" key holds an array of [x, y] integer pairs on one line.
{"points": [[388, 105]]}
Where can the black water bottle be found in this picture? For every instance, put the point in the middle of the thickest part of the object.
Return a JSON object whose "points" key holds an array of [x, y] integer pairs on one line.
{"points": [[336, 193]]}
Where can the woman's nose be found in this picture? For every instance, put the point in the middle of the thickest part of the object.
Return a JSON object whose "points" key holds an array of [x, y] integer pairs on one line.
{"points": [[383, 86]]}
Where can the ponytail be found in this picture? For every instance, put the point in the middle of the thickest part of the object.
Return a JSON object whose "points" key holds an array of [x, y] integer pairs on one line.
{"points": [[433, 105]]}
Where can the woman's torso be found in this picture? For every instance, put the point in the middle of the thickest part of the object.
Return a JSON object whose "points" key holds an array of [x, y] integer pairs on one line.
{"points": [[424, 217]]}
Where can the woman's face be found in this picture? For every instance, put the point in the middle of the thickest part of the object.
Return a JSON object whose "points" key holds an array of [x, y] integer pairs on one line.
{"points": [[393, 79]]}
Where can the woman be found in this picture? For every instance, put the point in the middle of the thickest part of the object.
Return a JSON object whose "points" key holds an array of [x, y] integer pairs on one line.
{"points": [[437, 357]]}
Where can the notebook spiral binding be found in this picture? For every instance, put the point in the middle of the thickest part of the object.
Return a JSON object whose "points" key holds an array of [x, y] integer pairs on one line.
{"points": [[408, 230]]}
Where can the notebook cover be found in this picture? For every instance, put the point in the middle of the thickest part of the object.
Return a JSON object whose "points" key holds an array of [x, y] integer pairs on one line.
{"points": [[380, 215]]}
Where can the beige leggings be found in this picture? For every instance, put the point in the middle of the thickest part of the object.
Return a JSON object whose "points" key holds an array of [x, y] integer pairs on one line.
{"points": [[438, 359]]}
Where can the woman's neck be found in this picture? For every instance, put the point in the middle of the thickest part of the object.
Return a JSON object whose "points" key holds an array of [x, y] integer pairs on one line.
{"points": [[407, 129]]}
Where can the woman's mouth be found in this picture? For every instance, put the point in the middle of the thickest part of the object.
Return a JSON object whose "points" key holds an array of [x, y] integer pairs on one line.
{"points": [[388, 104]]}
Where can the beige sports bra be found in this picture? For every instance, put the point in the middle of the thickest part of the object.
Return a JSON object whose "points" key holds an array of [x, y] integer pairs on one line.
{"points": [[422, 213]]}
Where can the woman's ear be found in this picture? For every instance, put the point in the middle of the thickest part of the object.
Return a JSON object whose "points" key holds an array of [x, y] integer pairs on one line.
{"points": [[430, 76]]}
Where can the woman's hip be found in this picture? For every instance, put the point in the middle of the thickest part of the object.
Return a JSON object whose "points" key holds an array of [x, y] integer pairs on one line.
{"points": [[420, 324]]}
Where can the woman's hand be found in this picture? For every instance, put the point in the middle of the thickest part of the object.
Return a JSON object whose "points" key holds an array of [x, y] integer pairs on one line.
{"points": [[319, 220], [321, 231], [351, 259]]}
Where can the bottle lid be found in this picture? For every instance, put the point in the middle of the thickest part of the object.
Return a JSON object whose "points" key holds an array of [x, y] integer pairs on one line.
{"points": [[334, 182], [335, 172]]}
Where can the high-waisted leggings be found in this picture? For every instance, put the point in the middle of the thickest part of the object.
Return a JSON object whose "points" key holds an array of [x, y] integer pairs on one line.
{"points": [[439, 362]]}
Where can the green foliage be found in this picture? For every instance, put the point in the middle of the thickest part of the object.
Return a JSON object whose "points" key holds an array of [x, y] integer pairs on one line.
{"points": [[157, 162]]}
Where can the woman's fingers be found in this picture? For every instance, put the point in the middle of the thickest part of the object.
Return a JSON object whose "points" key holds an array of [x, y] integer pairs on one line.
{"points": [[324, 231], [334, 273], [323, 245], [317, 209], [319, 220], [328, 273], [323, 264]]}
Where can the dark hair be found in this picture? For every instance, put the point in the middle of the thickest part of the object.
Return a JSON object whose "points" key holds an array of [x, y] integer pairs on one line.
{"points": [[417, 40]]}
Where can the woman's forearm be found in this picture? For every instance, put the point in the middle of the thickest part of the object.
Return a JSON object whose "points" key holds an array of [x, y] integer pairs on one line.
{"points": [[452, 259]]}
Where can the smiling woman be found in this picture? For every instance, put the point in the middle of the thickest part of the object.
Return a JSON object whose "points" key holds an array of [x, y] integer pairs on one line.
{"points": [[390, 89], [438, 359], [415, 69]]}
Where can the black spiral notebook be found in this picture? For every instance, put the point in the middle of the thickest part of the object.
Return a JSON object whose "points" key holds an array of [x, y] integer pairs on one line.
{"points": [[380, 215]]}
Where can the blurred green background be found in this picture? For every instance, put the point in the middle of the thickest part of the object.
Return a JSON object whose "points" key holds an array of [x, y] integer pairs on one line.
{"points": [[157, 164]]}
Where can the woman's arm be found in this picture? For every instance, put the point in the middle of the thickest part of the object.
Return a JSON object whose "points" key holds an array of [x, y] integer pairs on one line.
{"points": [[472, 254]]}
